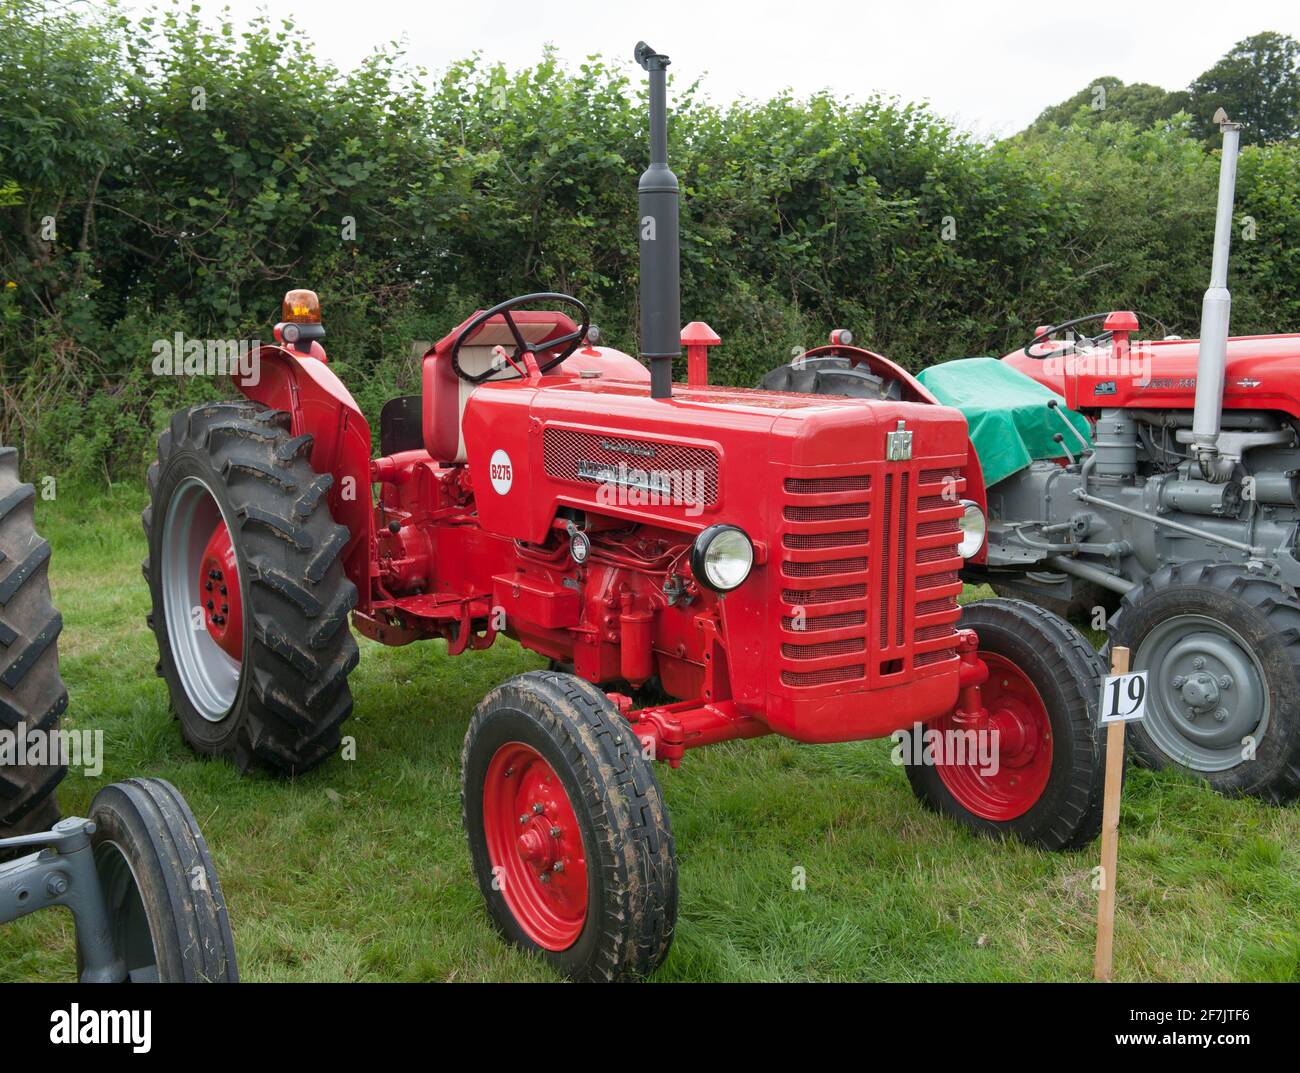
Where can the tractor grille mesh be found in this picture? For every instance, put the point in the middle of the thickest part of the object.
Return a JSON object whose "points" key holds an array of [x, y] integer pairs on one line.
{"points": [[690, 474]]}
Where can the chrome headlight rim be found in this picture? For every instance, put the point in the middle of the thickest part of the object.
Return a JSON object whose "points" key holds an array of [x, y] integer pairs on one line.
{"points": [[978, 533], [700, 556]]}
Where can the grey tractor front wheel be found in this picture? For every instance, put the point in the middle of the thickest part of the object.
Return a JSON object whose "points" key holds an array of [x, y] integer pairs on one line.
{"points": [[1221, 646]]}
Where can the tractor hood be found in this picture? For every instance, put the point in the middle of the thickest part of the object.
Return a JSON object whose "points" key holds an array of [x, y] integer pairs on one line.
{"points": [[703, 456], [1263, 373]]}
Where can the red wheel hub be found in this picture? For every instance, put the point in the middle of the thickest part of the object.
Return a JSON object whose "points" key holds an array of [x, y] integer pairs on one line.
{"points": [[1015, 734], [538, 858], [223, 612]]}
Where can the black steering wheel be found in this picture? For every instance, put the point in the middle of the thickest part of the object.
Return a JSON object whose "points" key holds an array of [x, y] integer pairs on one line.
{"points": [[566, 343], [1045, 335]]}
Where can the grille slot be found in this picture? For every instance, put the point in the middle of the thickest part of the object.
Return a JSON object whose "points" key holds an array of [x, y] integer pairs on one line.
{"points": [[805, 679], [831, 513], [935, 607], [806, 486], [825, 622], [826, 648], [808, 541], [822, 569], [832, 595]]}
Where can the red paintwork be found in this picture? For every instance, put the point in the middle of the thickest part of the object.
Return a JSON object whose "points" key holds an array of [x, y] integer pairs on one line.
{"points": [[1263, 374], [306, 388], [1006, 703], [223, 607], [465, 552], [531, 829], [697, 337]]}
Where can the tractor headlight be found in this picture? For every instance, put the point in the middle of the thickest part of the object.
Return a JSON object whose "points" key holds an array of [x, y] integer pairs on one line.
{"points": [[973, 528], [722, 557]]}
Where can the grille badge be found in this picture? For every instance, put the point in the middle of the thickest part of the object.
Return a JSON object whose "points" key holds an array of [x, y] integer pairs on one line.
{"points": [[898, 444]]}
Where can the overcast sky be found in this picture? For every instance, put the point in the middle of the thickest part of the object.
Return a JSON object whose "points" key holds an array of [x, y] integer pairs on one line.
{"points": [[991, 66]]}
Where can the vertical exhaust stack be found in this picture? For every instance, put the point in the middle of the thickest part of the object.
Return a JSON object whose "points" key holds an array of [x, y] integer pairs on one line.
{"points": [[661, 284], [1211, 366]]}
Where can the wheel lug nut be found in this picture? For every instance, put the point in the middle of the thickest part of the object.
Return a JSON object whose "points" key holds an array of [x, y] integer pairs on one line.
{"points": [[545, 877], [1178, 681], [210, 605], [1221, 715], [558, 866], [223, 590], [208, 586], [523, 818], [1199, 662], [1225, 682], [555, 832], [224, 609], [538, 808]]}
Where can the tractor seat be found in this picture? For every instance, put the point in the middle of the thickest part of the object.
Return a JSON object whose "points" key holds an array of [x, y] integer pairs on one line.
{"points": [[445, 393]]}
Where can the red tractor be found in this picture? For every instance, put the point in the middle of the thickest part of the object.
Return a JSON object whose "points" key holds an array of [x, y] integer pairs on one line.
{"points": [[777, 563]]}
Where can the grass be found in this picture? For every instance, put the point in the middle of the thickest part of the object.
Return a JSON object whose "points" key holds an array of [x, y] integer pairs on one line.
{"points": [[359, 870]]}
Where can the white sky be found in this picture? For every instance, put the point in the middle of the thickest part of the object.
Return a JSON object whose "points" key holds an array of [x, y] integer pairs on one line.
{"points": [[991, 66]]}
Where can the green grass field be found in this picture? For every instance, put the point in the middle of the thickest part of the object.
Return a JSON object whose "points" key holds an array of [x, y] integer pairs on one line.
{"points": [[359, 871]]}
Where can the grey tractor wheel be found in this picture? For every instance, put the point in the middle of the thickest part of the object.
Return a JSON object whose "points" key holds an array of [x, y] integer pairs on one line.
{"points": [[250, 600], [567, 829], [32, 696], [829, 375], [1221, 646], [165, 908]]}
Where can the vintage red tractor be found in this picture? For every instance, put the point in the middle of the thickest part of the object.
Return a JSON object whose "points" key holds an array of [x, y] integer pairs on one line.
{"points": [[1159, 479], [778, 563]]}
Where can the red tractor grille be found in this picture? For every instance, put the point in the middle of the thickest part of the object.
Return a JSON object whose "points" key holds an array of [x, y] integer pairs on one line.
{"points": [[688, 475], [822, 516], [886, 608]]}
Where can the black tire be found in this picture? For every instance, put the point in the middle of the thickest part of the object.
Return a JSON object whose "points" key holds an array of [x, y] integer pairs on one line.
{"points": [[612, 788], [1067, 673], [829, 375], [166, 910], [292, 693], [31, 692], [1222, 595]]}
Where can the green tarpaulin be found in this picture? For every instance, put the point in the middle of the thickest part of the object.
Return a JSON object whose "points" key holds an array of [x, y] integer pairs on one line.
{"points": [[1010, 424]]}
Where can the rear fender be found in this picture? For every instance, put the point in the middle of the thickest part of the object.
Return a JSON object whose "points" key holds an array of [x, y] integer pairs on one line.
{"points": [[318, 404]]}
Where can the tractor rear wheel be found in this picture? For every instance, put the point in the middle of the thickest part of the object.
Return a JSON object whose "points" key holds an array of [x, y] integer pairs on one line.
{"points": [[165, 908], [1222, 649], [1035, 768], [250, 601], [567, 829], [829, 375], [32, 697]]}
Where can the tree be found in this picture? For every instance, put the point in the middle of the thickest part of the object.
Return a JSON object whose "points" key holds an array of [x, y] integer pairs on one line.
{"points": [[1107, 99], [1258, 84]]}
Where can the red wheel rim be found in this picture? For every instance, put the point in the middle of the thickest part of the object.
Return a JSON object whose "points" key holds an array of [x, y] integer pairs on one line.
{"points": [[1023, 745], [223, 610], [532, 832]]}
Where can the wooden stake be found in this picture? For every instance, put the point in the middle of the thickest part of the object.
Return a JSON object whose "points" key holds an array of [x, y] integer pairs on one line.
{"points": [[1103, 962]]}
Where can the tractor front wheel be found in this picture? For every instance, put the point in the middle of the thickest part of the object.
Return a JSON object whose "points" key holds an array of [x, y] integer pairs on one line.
{"points": [[567, 829], [250, 601], [1033, 767]]}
